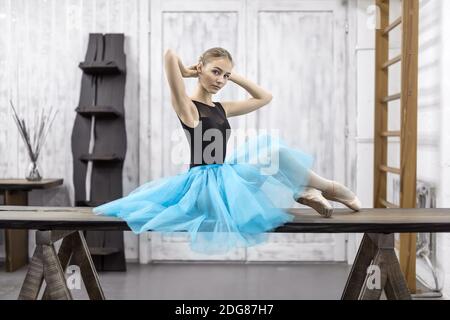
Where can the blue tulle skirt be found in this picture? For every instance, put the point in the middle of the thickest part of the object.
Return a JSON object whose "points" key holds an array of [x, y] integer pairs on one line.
{"points": [[222, 206]]}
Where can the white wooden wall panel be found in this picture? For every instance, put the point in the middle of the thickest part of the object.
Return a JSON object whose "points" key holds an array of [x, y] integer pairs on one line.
{"points": [[431, 106], [42, 42], [185, 27], [443, 199], [436, 99], [187, 34], [301, 49]]}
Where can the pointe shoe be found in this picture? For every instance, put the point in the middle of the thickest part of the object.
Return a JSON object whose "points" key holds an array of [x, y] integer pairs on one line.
{"points": [[314, 199], [332, 194]]}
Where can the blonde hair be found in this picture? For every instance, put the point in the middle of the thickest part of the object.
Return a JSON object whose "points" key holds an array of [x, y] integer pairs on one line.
{"points": [[216, 52]]}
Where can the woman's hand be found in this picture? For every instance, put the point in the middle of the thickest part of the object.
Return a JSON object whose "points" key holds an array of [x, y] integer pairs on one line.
{"points": [[189, 72], [260, 97]]}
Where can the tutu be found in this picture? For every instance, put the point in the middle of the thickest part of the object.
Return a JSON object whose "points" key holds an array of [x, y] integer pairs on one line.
{"points": [[221, 206]]}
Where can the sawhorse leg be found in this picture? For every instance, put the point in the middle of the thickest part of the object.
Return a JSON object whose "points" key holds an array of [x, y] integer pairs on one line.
{"points": [[16, 241], [376, 254], [47, 265]]}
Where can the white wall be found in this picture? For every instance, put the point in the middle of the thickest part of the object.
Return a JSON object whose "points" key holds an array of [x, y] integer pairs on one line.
{"points": [[443, 199], [42, 42]]}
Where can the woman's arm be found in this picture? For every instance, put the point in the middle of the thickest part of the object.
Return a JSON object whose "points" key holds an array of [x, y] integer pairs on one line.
{"points": [[260, 97], [175, 71]]}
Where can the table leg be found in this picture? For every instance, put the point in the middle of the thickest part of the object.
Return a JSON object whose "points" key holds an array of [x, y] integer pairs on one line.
{"points": [[16, 241], [378, 252], [33, 280], [51, 267], [357, 277]]}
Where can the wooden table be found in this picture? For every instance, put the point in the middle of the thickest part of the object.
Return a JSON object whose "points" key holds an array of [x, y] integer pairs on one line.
{"points": [[15, 192], [376, 249]]}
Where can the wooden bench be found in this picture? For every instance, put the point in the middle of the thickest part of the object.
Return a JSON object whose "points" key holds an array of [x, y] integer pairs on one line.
{"points": [[377, 247]]}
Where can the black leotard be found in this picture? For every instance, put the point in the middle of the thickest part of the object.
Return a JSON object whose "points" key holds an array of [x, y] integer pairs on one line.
{"points": [[208, 140]]}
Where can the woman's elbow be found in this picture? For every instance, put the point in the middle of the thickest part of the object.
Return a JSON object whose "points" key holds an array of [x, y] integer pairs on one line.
{"points": [[265, 100], [169, 53]]}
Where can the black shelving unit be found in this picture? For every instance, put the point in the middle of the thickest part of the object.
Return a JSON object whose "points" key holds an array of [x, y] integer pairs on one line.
{"points": [[99, 141], [98, 111], [104, 158], [100, 67]]}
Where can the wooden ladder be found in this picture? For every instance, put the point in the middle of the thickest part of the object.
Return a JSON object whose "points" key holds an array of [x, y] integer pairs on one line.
{"points": [[408, 58]]}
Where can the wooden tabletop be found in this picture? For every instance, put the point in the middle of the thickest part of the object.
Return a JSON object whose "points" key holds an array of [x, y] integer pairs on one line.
{"points": [[380, 220], [57, 218], [306, 220], [24, 184]]}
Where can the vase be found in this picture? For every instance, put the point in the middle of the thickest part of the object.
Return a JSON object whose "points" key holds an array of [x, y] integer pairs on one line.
{"points": [[33, 172]]}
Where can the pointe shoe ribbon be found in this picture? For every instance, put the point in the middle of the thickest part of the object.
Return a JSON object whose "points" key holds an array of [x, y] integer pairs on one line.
{"points": [[314, 199], [331, 194]]}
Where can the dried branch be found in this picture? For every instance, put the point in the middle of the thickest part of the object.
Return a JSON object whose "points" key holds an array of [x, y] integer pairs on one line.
{"points": [[35, 137]]}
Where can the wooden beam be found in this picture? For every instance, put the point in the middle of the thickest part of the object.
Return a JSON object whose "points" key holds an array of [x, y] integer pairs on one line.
{"points": [[381, 112], [380, 220], [408, 140], [390, 134], [388, 204], [390, 169], [358, 274], [16, 241], [392, 26], [392, 61], [390, 98]]}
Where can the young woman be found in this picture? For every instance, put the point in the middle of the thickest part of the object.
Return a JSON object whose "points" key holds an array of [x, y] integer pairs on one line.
{"points": [[225, 201]]}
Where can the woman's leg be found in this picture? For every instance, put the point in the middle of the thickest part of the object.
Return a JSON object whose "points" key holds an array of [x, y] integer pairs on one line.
{"points": [[325, 185], [291, 167], [317, 182], [334, 191]]}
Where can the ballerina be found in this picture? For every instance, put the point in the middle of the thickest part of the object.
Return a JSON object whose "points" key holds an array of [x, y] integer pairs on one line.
{"points": [[225, 200]]}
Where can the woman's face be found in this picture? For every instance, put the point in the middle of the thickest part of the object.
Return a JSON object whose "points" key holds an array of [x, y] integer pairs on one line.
{"points": [[214, 75]]}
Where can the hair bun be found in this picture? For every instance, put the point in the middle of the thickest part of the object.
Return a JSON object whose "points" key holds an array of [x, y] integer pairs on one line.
{"points": [[216, 52]]}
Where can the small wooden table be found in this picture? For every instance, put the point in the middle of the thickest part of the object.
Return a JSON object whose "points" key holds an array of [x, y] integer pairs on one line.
{"points": [[15, 192]]}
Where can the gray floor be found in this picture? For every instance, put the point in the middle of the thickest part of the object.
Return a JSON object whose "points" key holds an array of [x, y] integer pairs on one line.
{"points": [[209, 281]]}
